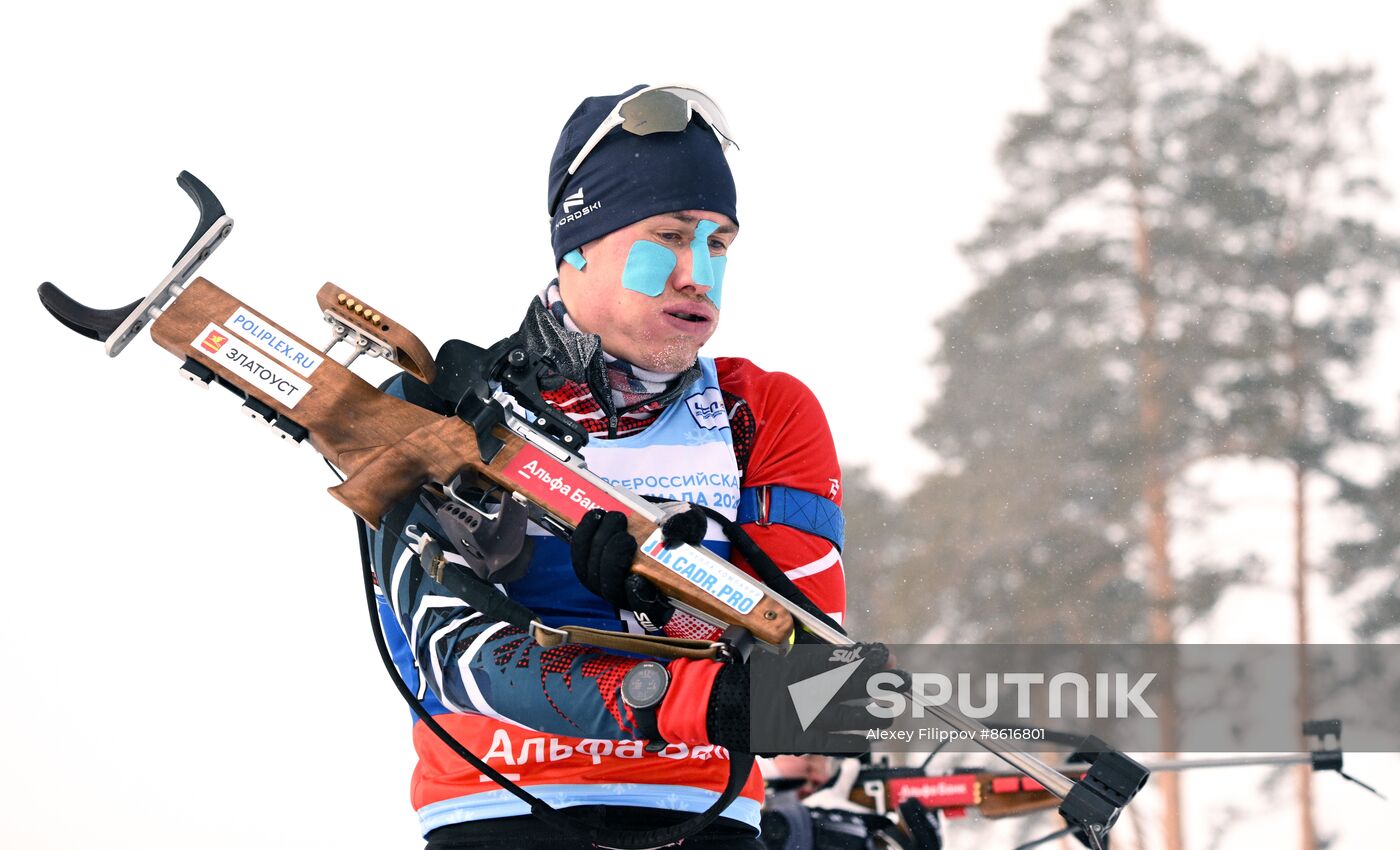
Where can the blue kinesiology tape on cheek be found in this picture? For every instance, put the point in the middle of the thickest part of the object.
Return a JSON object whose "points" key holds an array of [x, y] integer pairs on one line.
{"points": [[575, 259], [648, 267], [717, 267], [707, 270]]}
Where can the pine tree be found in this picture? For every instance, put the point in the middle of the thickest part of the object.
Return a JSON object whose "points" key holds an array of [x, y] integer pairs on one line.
{"points": [[1068, 402], [1291, 179], [1183, 270]]}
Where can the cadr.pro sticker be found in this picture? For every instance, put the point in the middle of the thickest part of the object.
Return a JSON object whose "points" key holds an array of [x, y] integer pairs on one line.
{"points": [[705, 572]]}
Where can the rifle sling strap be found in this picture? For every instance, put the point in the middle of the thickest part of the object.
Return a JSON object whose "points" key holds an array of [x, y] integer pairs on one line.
{"points": [[654, 645]]}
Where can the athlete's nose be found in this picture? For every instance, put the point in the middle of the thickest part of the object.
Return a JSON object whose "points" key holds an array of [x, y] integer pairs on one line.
{"points": [[683, 275]]}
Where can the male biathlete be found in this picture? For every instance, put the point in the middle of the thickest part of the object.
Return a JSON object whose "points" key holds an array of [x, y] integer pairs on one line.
{"points": [[643, 216]]}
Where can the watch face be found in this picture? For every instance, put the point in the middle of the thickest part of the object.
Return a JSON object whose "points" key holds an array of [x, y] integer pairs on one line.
{"points": [[645, 685]]}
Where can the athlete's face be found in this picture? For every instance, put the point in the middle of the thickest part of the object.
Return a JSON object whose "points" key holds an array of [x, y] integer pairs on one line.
{"points": [[661, 332]]}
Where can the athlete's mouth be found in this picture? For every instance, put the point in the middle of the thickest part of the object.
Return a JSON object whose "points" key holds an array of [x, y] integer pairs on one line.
{"points": [[689, 316]]}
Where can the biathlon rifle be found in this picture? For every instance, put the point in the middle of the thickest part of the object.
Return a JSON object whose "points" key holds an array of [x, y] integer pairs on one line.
{"points": [[501, 431], [904, 793]]}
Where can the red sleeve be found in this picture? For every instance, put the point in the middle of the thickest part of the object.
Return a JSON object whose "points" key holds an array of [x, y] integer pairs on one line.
{"points": [[782, 438]]}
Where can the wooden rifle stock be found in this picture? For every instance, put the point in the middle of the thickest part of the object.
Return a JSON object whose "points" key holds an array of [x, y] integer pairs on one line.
{"points": [[388, 447]]}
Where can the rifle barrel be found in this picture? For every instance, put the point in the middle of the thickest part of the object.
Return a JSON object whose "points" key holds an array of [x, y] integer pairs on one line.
{"points": [[1231, 761]]}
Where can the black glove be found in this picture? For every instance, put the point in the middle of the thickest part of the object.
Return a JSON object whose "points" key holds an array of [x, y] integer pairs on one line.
{"points": [[688, 526], [603, 551], [730, 722]]}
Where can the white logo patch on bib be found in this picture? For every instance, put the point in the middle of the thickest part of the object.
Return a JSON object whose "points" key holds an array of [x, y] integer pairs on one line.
{"points": [[708, 409]]}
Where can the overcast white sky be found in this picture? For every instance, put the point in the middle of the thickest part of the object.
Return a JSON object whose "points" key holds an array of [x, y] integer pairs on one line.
{"points": [[187, 662]]}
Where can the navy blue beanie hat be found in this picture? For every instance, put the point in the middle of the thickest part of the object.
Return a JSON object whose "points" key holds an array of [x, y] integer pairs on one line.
{"points": [[627, 178]]}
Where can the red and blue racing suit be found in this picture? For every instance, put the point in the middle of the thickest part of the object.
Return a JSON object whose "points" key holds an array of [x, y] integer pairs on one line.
{"points": [[752, 444]]}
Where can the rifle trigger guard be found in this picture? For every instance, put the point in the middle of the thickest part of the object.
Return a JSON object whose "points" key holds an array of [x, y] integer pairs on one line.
{"points": [[493, 543]]}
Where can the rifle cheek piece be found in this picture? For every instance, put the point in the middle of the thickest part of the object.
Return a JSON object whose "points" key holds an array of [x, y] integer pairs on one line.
{"points": [[1096, 800]]}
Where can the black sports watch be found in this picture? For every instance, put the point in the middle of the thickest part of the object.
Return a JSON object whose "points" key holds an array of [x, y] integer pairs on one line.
{"points": [[643, 689]]}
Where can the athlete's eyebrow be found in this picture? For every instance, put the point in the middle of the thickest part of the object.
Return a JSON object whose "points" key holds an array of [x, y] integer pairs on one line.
{"points": [[690, 219]]}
